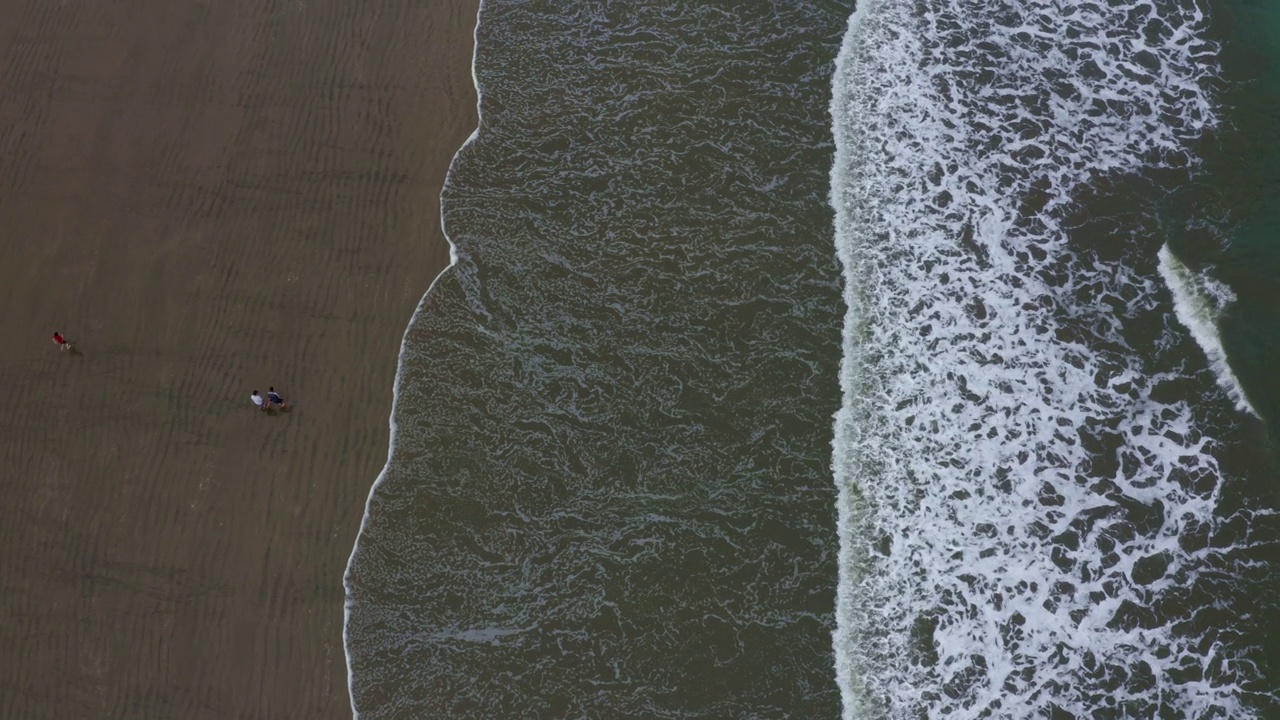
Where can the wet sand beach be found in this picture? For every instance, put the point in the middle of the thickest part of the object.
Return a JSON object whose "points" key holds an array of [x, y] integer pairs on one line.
{"points": [[206, 198]]}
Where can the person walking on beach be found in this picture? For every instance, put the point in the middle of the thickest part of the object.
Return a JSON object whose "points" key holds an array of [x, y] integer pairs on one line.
{"points": [[257, 400], [60, 341], [274, 398]]}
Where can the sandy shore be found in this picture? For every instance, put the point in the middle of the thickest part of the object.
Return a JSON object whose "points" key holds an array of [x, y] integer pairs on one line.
{"points": [[206, 198]]}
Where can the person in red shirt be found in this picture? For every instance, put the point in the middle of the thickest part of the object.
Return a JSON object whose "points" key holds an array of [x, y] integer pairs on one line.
{"points": [[60, 341]]}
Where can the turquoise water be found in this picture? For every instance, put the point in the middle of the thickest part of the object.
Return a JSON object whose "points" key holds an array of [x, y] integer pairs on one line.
{"points": [[1024, 252]]}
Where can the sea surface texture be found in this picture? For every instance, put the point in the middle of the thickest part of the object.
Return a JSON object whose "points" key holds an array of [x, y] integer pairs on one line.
{"points": [[1035, 516], [609, 494], [799, 361]]}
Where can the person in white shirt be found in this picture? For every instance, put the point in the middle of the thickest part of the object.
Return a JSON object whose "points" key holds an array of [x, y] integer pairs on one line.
{"points": [[257, 400]]}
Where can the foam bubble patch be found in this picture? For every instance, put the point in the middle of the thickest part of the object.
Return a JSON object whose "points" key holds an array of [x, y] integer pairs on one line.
{"points": [[1024, 522]]}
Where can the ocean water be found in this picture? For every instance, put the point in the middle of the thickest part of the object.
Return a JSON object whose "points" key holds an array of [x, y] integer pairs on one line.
{"points": [[610, 493], [798, 360], [1048, 504]]}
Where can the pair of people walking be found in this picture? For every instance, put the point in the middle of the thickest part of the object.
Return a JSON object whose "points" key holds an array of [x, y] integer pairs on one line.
{"points": [[272, 398]]}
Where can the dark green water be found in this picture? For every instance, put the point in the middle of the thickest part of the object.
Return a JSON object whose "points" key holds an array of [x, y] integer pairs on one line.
{"points": [[1155, 504], [1224, 222], [1245, 176], [1246, 173]]}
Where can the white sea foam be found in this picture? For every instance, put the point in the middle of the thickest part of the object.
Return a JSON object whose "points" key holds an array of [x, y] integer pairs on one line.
{"points": [[1199, 302], [1017, 510], [395, 390]]}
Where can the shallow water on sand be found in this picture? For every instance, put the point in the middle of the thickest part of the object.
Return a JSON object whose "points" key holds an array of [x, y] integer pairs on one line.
{"points": [[610, 493]]}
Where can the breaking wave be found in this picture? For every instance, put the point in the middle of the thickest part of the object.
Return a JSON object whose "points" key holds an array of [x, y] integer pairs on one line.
{"points": [[1024, 516]]}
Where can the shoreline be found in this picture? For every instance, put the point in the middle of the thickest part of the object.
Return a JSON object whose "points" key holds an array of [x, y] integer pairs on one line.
{"points": [[395, 395], [206, 200]]}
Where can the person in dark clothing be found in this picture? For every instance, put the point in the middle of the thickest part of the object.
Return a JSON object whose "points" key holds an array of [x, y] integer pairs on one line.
{"points": [[274, 398]]}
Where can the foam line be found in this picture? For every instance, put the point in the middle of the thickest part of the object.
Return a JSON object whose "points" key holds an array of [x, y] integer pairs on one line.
{"points": [[396, 386]]}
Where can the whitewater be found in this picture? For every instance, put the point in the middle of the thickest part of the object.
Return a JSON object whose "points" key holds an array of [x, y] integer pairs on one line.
{"points": [[1023, 514]]}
